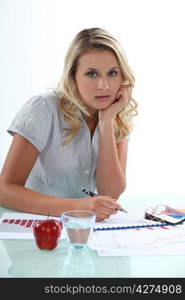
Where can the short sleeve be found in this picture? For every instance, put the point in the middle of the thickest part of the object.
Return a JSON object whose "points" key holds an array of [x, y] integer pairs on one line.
{"points": [[34, 122], [127, 137]]}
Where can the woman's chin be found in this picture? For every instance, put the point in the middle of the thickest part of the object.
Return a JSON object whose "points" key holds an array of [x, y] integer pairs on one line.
{"points": [[103, 104]]}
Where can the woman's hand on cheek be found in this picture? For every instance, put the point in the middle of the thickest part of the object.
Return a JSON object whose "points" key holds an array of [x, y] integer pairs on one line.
{"points": [[122, 98]]}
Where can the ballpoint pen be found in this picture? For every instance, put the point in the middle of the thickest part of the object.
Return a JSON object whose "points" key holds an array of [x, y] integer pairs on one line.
{"points": [[92, 194]]}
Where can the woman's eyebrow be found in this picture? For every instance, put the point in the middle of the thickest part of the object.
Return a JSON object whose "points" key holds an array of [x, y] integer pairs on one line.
{"points": [[114, 68], [94, 69]]}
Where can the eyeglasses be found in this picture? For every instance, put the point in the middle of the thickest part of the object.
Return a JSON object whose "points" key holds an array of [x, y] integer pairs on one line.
{"points": [[163, 209], [161, 213]]}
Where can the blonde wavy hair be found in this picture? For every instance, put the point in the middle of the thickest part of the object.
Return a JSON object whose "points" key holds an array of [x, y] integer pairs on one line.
{"points": [[71, 102]]}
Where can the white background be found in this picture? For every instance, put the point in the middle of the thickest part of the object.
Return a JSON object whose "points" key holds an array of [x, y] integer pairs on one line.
{"points": [[35, 35]]}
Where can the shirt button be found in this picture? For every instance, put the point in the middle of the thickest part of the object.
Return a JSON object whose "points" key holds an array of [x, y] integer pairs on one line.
{"points": [[86, 171]]}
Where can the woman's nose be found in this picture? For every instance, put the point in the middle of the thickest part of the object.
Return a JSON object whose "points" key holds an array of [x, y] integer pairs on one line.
{"points": [[102, 84]]}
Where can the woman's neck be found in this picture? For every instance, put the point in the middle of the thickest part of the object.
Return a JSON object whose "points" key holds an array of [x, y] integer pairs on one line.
{"points": [[92, 118]]}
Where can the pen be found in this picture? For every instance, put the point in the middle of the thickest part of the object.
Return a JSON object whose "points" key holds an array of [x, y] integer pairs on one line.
{"points": [[92, 194]]}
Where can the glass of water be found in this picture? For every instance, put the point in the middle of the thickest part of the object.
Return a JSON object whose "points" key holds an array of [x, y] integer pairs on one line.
{"points": [[79, 225]]}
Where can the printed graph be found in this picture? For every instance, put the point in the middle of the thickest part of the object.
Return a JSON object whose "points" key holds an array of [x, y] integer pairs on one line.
{"points": [[19, 225], [25, 223]]}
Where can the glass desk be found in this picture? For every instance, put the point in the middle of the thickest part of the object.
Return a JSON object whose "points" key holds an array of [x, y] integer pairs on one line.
{"points": [[21, 258]]}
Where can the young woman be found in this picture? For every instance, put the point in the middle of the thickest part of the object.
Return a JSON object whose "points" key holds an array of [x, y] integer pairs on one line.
{"points": [[74, 136]]}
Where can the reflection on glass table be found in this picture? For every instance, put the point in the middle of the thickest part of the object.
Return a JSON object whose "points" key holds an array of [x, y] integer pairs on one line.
{"points": [[25, 260], [78, 263]]}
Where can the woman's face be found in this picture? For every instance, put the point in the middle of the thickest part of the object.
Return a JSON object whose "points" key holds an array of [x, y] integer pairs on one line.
{"points": [[98, 78]]}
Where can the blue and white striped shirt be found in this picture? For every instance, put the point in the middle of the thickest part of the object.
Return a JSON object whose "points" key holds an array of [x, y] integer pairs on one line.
{"points": [[60, 170]]}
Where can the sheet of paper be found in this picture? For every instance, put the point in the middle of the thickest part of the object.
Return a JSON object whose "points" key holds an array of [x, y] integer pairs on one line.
{"points": [[145, 241], [19, 225], [167, 240]]}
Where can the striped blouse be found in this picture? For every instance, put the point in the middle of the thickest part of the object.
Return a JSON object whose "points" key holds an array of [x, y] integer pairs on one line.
{"points": [[60, 170]]}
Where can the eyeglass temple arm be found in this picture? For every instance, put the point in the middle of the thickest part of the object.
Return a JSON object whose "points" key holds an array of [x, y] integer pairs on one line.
{"points": [[175, 211]]}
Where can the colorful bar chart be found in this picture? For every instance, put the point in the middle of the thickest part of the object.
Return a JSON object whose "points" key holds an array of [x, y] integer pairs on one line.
{"points": [[26, 223], [18, 225]]}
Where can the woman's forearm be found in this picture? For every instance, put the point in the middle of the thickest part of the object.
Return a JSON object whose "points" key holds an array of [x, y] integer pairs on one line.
{"points": [[110, 178], [17, 197]]}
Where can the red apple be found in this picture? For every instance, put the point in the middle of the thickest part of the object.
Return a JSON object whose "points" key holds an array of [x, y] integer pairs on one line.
{"points": [[47, 233]]}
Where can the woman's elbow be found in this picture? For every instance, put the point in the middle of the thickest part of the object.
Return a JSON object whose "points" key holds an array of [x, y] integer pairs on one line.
{"points": [[1, 192], [4, 191], [121, 189]]}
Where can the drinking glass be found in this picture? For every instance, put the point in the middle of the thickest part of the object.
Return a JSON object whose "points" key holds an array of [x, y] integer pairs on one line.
{"points": [[79, 226]]}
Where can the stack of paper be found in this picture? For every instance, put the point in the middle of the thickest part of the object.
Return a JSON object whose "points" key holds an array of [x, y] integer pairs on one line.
{"points": [[137, 236]]}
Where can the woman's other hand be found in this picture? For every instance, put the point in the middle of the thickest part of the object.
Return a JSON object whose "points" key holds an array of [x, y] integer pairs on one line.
{"points": [[122, 99]]}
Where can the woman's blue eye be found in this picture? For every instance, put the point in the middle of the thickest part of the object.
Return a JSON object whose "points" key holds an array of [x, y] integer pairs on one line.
{"points": [[91, 74], [112, 73]]}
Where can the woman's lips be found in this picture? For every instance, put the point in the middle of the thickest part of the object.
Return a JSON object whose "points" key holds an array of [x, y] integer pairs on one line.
{"points": [[105, 97]]}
